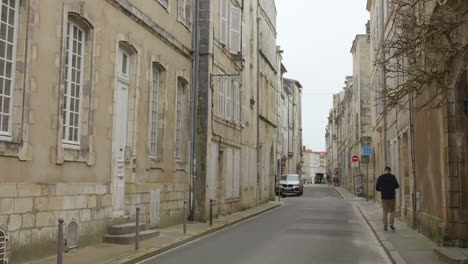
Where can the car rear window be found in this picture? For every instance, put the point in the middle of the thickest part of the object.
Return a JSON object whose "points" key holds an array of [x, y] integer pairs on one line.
{"points": [[290, 177]]}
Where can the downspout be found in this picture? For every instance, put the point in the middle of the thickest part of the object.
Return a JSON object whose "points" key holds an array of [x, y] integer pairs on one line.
{"points": [[413, 158], [384, 83], [258, 107], [193, 160]]}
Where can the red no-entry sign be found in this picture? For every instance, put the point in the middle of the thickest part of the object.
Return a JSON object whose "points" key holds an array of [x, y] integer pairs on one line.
{"points": [[355, 158]]}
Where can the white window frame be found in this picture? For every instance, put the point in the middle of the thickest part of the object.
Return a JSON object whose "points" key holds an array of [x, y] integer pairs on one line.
{"points": [[179, 120], [123, 75], [7, 135], [224, 22], [68, 83], [154, 110]]}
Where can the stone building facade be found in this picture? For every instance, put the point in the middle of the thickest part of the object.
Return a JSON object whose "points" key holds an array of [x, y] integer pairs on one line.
{"points": [[95, 109], [240, 74], [314, 162], [427, 147], [294, 161]]}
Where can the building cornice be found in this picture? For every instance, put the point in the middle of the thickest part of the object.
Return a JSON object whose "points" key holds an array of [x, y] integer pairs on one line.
{"points": [[141, 18]]}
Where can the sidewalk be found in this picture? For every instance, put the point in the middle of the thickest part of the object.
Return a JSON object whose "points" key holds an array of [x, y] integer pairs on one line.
{"points": [[405, 245], [169, 238]]}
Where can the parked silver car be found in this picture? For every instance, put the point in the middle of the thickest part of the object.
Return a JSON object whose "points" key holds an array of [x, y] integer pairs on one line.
{"points": [[290, 183]]}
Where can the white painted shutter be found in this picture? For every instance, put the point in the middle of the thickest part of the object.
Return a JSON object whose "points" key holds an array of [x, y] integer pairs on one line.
{"points": [[236, 178], [227, 95], [223, 25], [235, 30], [229, 173], [213, 170], [221, 96], [243, 37], [235, 101], [243, 103]]}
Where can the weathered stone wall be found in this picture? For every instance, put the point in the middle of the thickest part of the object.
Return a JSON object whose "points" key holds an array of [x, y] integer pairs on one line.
{"points": [[29, 213]]}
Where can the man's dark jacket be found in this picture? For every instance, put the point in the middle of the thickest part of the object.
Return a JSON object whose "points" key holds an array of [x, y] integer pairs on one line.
{"points": [[386, 184]]}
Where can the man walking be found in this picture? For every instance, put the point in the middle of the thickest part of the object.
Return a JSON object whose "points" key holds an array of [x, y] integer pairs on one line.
{"points": [[386, 185]]}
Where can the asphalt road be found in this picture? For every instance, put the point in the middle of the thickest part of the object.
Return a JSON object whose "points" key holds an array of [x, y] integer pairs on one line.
{"points": [[318, 227]]}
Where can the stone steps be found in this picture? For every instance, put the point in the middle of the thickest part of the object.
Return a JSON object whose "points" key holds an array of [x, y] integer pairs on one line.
{"points": [[122, 231], [130, 238]]}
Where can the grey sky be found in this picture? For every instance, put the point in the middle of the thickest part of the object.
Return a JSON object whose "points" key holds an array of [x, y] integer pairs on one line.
{"points": [[316, 37]]}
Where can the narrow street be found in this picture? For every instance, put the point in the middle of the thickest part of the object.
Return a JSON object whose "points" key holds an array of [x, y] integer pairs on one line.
{"points": [[318, 227]]}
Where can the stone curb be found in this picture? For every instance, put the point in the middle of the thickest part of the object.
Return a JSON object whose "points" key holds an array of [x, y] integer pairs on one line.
{"points": [[143, 254], [394, 255], [339, 193]]}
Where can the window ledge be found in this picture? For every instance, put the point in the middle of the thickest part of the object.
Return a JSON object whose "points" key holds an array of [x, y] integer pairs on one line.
{"points": [[76, 155], [10, 148], [234, 125], [155, 163], [164, 6], [180, 165], [185, 23]]}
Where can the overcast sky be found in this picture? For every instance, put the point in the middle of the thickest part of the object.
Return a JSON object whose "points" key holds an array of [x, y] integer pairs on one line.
{"points": [[316, 37]]}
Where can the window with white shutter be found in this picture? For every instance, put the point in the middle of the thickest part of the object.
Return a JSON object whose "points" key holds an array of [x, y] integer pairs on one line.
{"points": [[184, 8], [228, 95], [235, 101], [154, 94], [223, 25], [180, 105], [8, 24], [235, 30], [221, 96], [243, 102]]}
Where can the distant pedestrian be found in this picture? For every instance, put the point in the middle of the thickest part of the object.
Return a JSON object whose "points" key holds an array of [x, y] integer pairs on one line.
{"points": [[386, 185]]}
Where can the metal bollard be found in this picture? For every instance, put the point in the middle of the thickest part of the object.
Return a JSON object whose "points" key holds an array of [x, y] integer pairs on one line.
{"points": [[137, 229], [211, 212], [60, 242], [185, 217]]}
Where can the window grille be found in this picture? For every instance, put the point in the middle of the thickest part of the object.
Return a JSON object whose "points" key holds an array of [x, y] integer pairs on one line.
{"points": [[3, 245]]}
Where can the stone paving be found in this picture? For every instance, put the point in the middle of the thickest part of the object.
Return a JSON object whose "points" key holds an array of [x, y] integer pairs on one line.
{"points": [[404, 245], [169, 238]]}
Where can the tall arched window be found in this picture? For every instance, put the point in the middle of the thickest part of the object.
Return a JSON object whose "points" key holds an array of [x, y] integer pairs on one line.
{"points": [[73, 90], [154, 92], [8, 28]]}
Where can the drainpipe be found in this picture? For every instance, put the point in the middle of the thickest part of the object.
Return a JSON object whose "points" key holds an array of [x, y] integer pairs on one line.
{"points": [[413, 158], [258, 106], [193, 160], [384, 83]]}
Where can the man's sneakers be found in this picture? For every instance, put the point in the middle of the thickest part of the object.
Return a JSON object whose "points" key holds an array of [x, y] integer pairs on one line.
{"points": [[391, 227]]}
